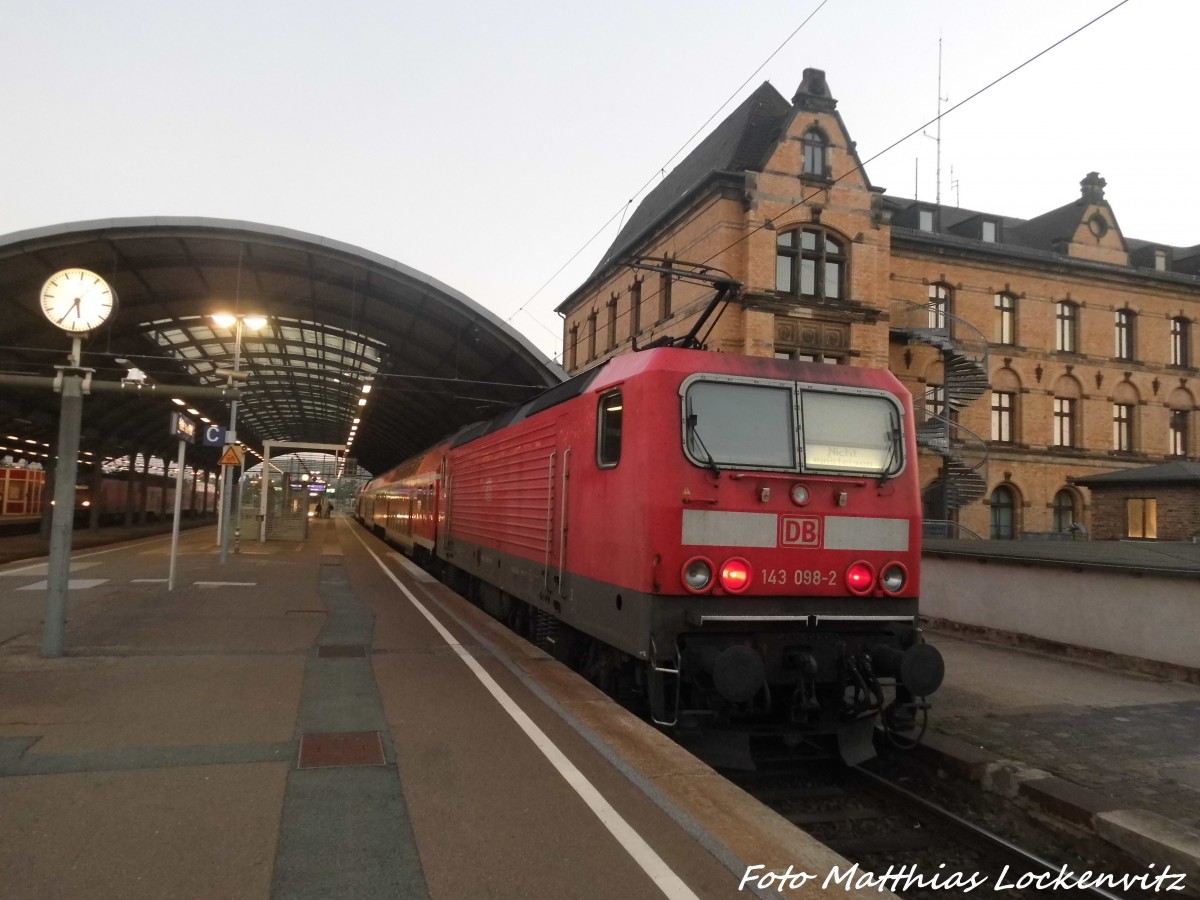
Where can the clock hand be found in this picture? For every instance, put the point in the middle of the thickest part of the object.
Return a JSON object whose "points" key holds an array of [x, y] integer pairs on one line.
{"points": [[74, 306]]}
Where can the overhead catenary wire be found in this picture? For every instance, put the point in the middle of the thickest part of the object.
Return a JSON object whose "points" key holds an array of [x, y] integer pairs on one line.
{"points": [[661, 170]]}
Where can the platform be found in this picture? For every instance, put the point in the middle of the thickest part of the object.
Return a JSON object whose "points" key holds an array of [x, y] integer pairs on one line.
{"points": [[319, 719]]}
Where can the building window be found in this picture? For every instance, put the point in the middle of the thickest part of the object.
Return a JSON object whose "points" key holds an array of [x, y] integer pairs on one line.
{"points": [[925, 220], [1141, 518], [664, 293], [1122, 426], [608, 430], [1006, 319], [1065, 512], [1124, 321], [935, 402], [591, 353], [1178, 438], [612, 322], [1180, 345], [816, 153], [1064, 422], [573, 347], [635, 307], [1003, 403], [810, 262], [1160, 260], [1004, 506], [988, 231], [940, 302], [1067, 315]]}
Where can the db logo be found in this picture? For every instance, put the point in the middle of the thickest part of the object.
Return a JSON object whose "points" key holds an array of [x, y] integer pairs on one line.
{"points": [[799, 531]]}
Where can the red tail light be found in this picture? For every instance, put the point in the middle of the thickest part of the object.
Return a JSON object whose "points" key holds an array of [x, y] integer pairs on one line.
{"points": [[735, 575], [860, 578]]}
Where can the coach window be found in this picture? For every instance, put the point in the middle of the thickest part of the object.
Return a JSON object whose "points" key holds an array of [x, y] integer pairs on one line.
{"points": [[608, 430]]}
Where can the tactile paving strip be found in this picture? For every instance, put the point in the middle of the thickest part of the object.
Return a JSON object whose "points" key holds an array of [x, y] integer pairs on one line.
{"points": [[351, 748]]}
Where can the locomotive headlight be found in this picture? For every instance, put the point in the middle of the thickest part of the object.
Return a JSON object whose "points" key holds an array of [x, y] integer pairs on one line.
{"points": [[800, 494], [860, 577], [735, 575], [697, 575], [893, 578]]}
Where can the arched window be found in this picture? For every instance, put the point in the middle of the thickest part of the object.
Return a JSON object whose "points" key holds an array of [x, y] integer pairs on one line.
{"points": [[1004, 505], [1067, 318], [810, 262], [1066, 512], [816, 153], [941, 298]]}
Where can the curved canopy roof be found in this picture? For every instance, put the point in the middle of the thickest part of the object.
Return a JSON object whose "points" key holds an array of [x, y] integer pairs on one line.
{"points": [[338, 319]]}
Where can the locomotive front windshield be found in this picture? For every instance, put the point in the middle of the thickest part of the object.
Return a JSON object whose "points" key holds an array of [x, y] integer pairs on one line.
{"points": [[765, 425]]}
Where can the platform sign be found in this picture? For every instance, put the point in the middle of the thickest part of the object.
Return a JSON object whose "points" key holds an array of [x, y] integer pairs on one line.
{"points": [[213, 436], [183, 428], [232, 455]]}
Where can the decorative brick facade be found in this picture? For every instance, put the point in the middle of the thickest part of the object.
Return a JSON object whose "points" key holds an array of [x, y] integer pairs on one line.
{"points": [[1086, 337]]}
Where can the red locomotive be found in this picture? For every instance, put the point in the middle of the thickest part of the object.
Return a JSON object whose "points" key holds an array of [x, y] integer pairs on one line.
{"points": [[736, 540]]}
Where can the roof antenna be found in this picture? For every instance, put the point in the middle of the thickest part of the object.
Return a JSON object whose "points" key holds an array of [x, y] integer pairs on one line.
{"points": [[937, 138]]}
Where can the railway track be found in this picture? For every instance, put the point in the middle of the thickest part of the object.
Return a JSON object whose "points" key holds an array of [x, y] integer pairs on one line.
{"points": [[956, 845]]}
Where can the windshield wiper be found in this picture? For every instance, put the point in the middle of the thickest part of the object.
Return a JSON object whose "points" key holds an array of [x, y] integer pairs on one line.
{"points": [[892, 436], [693, 432]]}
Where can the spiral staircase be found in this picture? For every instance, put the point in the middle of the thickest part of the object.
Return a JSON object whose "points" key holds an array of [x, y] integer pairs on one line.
{"points": [[962, 478]]}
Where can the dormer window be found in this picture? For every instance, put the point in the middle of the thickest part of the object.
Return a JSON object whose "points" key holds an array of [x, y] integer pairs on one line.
{"points": [[1160, 260], [817, 157], [925, 220], [987, 231]]}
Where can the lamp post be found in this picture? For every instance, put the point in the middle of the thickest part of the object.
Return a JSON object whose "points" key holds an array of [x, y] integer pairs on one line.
{"points": [[237, 322]]}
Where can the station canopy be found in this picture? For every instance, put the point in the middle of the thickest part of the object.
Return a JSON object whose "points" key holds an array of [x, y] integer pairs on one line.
{"points": [[342, 326]]}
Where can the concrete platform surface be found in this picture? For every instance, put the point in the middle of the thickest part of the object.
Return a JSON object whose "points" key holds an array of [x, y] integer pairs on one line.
{"points": [[316, 720]]}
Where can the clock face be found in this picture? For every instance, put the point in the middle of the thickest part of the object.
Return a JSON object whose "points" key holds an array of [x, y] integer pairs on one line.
{"points": [[77, 301]]}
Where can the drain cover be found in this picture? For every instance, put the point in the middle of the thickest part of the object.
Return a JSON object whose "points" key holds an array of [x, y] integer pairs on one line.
{"points": [[351, 748]]}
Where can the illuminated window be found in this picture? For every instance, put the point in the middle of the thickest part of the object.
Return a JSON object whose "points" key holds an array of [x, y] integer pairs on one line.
{"points": [[1141, 518]]}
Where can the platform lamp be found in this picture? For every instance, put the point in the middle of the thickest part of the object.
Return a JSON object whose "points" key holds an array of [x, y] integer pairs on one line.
{"points": [[238, 323]]}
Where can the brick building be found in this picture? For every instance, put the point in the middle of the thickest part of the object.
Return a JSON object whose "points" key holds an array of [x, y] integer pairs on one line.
{"points": [[1037, 350], [1146, 503]]}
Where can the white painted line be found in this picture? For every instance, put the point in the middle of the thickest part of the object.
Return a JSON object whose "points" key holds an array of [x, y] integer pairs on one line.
{"points": [[74, 584], [42, 568], [633, 843], [412, 568], [225, 583]]}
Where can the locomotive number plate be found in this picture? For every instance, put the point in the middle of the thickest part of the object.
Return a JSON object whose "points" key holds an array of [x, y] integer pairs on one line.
{"points": [[800, 577]]}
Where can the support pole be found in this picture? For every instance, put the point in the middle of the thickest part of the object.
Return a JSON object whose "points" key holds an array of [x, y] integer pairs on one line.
{"points": [[178, 513], [58, 573]]}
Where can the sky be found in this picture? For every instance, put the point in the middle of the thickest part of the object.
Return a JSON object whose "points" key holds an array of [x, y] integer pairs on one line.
{"points": [[495, 146]]}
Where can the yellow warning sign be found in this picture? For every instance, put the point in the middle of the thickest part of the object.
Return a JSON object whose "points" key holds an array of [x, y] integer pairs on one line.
{"points": [[232, 455]]}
